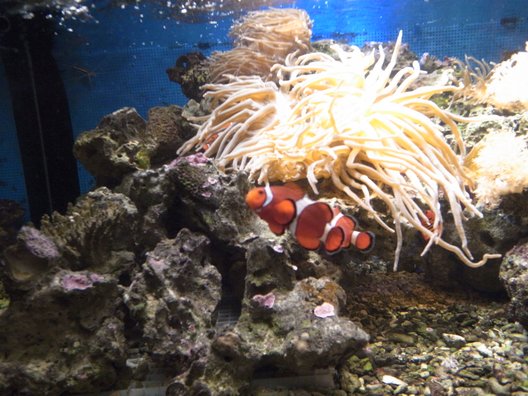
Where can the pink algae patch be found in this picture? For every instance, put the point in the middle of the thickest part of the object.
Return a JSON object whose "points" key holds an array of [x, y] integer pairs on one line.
{"points": [[325, 310], [265, 301], [80, 281]]}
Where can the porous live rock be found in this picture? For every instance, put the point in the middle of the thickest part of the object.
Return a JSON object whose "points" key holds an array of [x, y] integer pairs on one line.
{"points": [[443, 268], [119, 145], [267, 269], [154, 196], [496, 232], [167, 127], [191, 71], [287, 340], [514, 274], [65, 335], [212, 202], [490, 122], [97, 232], [253, 263], [64, 329], [27, 259], [172, 300], [123, 142], [96, 244]]}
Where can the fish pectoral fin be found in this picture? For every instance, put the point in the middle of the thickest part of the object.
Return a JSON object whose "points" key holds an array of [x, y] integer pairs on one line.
{"points": [[277, 229], [308, 242], [334, 240], [284, 212]]}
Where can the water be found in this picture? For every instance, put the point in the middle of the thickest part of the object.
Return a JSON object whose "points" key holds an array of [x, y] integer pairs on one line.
{"points": [[111, 54]]}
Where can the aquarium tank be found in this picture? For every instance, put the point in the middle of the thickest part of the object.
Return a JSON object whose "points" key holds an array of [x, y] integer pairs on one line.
{"points": [[263, 197]]}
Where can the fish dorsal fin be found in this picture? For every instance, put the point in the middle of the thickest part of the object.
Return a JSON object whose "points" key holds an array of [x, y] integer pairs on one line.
{"points": [[289, 190]]}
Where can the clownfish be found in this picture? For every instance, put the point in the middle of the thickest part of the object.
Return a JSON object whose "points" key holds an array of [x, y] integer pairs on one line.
{"points": [[314, 224], [429, 224], [209, 141]]}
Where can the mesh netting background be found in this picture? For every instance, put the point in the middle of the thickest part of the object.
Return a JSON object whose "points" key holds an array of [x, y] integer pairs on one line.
{"points": [[119, 57], [12, 184]]}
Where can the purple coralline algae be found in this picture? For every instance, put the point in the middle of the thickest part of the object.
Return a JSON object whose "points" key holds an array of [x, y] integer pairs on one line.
{"points": [[264, 301], [198, 159], [325, 310], [157, 264], [80, 281], [37, 243]]}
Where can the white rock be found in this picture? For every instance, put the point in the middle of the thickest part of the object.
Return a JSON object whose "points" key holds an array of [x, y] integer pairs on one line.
{"points": [[390, 380]]}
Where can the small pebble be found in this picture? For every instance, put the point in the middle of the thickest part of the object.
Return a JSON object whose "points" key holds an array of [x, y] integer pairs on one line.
{"points": [[497, 388], [484, 350], [403, 338], [454, 340], [390, 380], [424, 374], [400, 389]]}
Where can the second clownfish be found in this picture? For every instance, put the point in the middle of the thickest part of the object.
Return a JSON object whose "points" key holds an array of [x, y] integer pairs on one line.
{"points": [[313, 223], [429, 224]]}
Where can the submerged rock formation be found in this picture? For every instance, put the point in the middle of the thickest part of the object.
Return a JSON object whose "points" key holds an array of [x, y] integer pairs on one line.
{"points": [[514, 274]]}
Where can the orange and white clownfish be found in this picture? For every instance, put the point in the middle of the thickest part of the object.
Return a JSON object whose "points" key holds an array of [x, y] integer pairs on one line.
{"points": [[275, 205], [312, 223], [429, 224]]}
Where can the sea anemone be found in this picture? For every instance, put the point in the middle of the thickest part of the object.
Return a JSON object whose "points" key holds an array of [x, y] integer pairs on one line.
{"points": [[275, 32], [261, 39], [239, 61], [499, 166], [505, 86], [350, 120]]}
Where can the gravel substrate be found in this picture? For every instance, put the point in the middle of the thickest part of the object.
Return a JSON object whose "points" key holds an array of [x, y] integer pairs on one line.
{"points": [[429, 341]]}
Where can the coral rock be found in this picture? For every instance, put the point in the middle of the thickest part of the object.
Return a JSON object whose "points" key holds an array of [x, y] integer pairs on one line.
{"points": [[97, 232], [169, 129], [119, 145], [514, 274], [191, 72], [66, 335], [291, 340], [173, 299], [28, 258]]}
